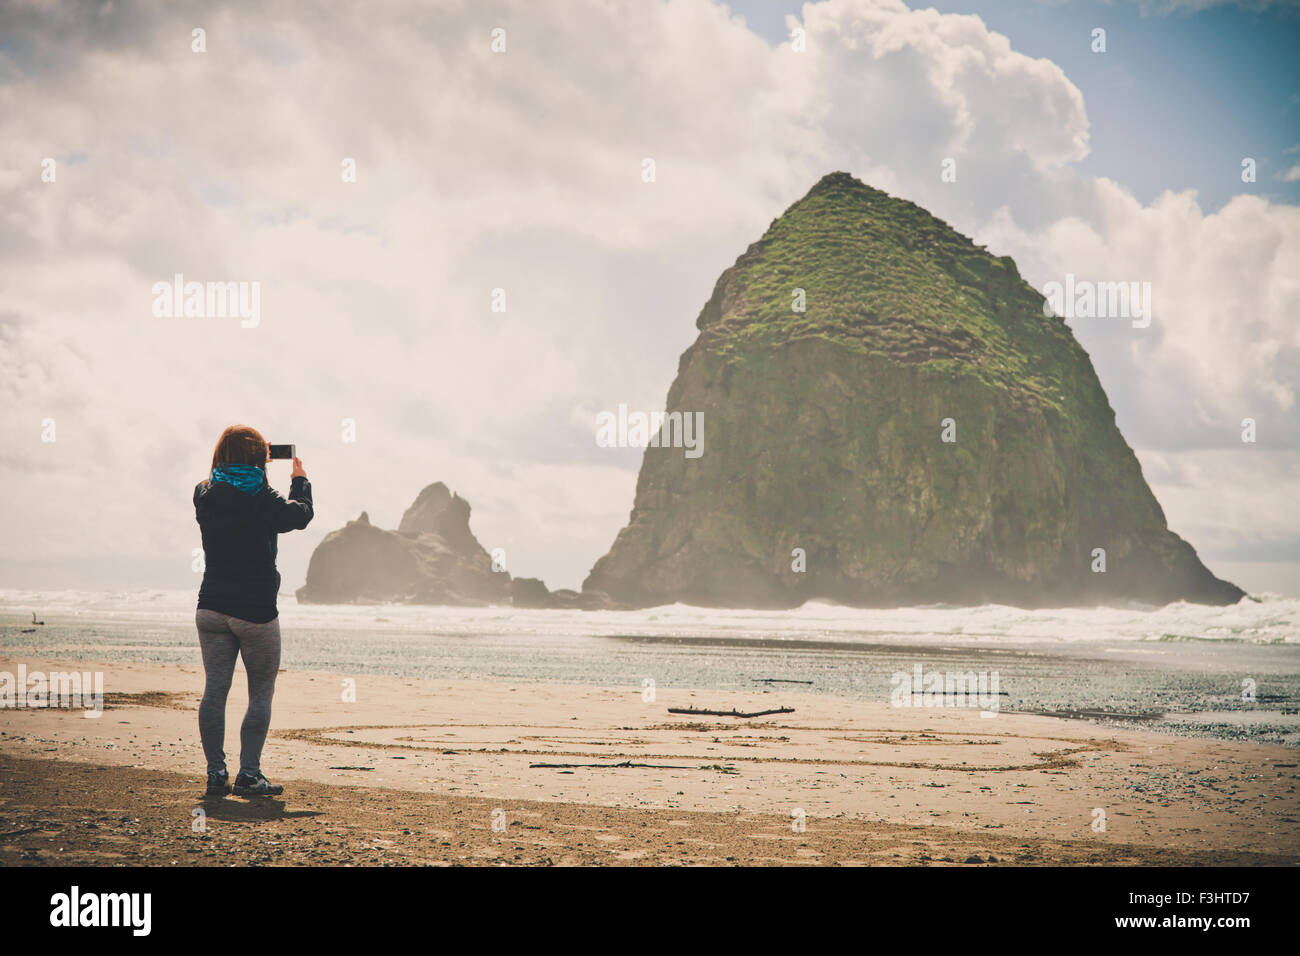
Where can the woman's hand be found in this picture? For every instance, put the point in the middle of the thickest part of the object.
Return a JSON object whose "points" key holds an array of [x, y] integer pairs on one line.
{"points": [[297, 469]]}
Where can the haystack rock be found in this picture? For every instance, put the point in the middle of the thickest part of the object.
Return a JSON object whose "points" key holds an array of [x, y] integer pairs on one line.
{"points": [[824, 436], [432, 558]]}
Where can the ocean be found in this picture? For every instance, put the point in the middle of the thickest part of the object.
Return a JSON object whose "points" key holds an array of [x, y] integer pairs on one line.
{"points": [[1226, 672]]}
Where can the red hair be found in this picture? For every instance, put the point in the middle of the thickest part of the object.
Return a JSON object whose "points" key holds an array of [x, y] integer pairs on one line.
{"points": [[240, 445]]}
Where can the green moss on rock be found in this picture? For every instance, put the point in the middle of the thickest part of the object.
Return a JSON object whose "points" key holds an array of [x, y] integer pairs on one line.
{"points": [[823, 432]]}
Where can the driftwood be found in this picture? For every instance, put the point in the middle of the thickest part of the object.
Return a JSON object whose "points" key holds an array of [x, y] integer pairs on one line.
{"points": [[728, 713], [779, 680], [625, 763]]}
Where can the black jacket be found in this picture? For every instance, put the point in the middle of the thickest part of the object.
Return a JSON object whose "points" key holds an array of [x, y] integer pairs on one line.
{"points": [[239, 544]]}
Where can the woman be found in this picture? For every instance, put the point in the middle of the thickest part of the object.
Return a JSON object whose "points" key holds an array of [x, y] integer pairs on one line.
{"points": [[240, 516]]}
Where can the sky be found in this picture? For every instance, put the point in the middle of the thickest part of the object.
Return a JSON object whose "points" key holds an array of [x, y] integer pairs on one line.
{"points": [[522, 170]]}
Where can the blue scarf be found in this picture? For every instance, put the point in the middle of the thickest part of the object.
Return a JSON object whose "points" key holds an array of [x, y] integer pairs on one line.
{"points": [[247, 478]]}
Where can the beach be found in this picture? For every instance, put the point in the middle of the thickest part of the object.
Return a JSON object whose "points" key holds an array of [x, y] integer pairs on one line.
{"points": [[381, 769]]}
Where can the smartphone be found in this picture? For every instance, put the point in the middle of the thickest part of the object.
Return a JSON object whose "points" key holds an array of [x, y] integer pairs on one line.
{"points": [[281, 451]]}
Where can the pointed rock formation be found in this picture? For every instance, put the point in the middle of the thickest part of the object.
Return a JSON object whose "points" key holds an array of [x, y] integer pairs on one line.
{"points": [[825, 472], [432, 558]]}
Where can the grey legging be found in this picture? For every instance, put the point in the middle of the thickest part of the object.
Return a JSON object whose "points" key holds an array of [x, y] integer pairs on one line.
{"points": [[224, 638]]}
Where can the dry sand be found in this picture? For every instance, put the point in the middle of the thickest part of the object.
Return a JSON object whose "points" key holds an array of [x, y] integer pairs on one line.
{"points": [[415, 771]]}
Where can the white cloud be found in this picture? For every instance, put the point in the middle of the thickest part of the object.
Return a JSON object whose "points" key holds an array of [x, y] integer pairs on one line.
{"points": [[1223, 344]]}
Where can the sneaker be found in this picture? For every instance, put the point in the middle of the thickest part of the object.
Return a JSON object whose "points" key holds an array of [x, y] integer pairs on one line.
{"points": [[218, 783], [253, 784]]}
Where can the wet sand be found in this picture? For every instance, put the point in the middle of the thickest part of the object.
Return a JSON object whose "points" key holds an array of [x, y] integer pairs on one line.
{"points": [[414, 771]]}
